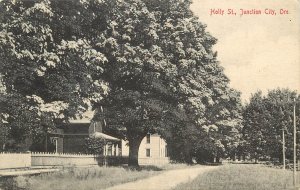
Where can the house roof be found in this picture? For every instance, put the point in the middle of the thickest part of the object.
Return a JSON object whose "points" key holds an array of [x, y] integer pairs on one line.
{"points": [[103, 136], [85, 117]]}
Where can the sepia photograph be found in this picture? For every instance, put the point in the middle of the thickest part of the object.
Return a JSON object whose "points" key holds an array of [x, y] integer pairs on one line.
{"points": [[149, 95]]}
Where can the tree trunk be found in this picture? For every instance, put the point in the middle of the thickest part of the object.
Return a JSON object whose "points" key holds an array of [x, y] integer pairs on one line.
{"points": [[134, 144], [187, 157], [233, 157]]}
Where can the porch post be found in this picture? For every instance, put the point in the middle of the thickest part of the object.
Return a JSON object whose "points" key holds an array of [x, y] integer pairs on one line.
{"points": [[113, 149], [117, 150], [106, 149], [105, 154]]}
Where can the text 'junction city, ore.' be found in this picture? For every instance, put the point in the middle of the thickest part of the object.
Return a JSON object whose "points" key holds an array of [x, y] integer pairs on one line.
{"points": [[241, 12]]}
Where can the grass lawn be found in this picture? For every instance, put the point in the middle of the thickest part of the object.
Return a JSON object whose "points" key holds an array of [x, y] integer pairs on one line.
{"points": [[90, 178], [241, 177]]}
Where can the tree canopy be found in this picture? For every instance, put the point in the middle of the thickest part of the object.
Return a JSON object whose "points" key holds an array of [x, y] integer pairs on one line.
{"points": [[148, 64], [49, 64], [165, 78]]}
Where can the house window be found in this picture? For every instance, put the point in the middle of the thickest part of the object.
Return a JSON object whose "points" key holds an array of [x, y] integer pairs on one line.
{"points": [[148, 152], [148, 139]]}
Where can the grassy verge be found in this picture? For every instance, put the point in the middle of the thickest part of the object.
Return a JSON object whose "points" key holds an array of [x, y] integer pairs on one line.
{"points": [[84, 178], [78, 178], [241, 177]]}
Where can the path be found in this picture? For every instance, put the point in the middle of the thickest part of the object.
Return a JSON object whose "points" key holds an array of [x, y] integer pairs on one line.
{"points": [[26, 171], [166, 180]]}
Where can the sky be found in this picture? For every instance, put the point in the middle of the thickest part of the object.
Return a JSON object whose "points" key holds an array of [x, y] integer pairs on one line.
{"points": [[257, 51]]}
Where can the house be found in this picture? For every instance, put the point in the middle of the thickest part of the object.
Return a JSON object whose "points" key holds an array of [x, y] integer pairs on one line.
{"points": [[153, 150], [71, 137]]}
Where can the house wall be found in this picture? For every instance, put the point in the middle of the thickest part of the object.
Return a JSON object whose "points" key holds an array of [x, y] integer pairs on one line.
{"points": [[158, 151], [71, 137], [74, 143], [95, 126], [157, 147], [124, 148], [60, 148]]}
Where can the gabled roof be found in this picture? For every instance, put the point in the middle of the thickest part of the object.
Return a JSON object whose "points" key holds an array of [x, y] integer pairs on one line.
{"points": [[99, 135], [86, 117]]}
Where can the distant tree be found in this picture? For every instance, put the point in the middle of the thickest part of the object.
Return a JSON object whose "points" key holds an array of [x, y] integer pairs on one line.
{"points": [[264, 119], [255, 126]]}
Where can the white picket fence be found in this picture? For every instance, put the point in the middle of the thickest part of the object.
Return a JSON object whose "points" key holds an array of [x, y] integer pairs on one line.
{"points": [[57, 159], [21, 160], [15, 160]]}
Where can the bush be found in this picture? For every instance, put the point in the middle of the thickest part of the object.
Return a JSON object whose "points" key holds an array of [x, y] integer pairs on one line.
{"points": [[94, 146]]}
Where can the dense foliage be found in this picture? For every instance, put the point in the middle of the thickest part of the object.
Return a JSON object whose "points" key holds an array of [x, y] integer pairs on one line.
{"points": [[149, 64], [49, 65], [264, 119], [165, 78], [94, 146]]}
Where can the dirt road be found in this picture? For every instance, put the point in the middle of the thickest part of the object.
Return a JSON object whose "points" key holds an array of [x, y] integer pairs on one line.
{"points": [[165, 180]]}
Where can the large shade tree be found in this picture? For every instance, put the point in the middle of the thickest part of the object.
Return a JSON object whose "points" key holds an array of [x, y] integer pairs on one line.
{"points": [[212, 119], [165, 78], [139, 74], [49, 66], [155, 56]]}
